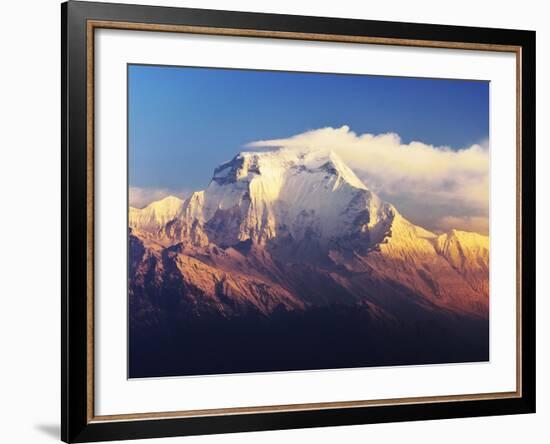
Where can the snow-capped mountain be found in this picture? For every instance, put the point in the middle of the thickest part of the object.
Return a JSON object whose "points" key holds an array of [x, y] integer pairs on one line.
{"points": [[291, 229], [155, 215], [282, 194]]}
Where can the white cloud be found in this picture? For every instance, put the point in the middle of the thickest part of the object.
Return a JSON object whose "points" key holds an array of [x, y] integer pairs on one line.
{"points": [[430, 185], [140, 197]]}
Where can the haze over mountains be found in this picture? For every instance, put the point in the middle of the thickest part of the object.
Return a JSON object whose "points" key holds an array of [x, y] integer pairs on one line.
{"points": [[288, 261]]}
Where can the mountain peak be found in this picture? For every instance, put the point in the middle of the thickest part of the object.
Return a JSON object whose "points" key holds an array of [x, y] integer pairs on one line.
{"points": [[167, 201], [272, 163], [155, 215], [344, 171], [286, 193]]}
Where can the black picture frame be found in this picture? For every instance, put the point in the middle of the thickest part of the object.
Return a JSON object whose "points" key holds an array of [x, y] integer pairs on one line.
{"points": [[76, 327]]}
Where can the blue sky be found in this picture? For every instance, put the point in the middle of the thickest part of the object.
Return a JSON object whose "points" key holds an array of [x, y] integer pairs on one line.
{"points": [[185, 121]]}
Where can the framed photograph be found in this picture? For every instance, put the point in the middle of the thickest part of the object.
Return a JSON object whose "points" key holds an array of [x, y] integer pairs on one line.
{"points": [[276, 221]]}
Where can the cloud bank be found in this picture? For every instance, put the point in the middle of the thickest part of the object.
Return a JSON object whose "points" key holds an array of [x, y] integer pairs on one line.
{"points": [[436, 187]]}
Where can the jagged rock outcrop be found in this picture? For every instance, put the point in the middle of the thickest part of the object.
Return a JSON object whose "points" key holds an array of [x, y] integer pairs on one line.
{"points": [[292, 230]]}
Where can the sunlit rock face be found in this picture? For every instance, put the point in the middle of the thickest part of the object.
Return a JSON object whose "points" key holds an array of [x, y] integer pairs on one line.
{"points": [[294, 229]]}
